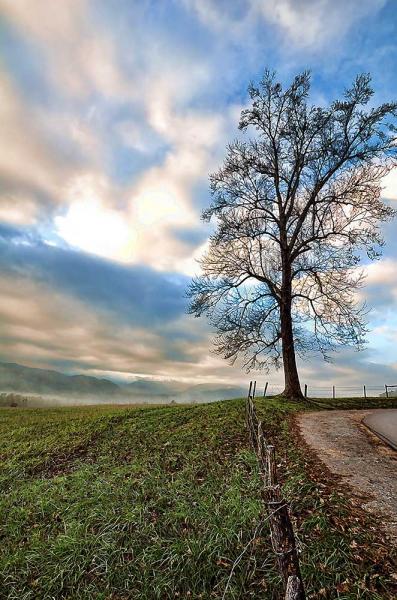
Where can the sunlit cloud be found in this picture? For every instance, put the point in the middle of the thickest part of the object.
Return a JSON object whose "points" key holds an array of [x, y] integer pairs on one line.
{"points": [[89, 226], [390, 185]]}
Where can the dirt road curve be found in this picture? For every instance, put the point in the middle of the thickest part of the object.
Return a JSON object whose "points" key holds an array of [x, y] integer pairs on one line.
{"points": [[350, 450]]}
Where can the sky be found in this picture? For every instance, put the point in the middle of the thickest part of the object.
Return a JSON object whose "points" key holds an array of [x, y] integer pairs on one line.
{"points": [[112, 115]]}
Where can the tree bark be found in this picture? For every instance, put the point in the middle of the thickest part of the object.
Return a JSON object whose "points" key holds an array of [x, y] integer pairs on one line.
{"points": [[292, 384]]}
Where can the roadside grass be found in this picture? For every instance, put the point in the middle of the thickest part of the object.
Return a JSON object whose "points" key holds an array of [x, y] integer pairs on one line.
{"points": [[351, 403], [152, 503]]}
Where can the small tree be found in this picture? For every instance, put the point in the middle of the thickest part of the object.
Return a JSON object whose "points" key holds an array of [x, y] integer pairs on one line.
{"points": [[295, 207]]}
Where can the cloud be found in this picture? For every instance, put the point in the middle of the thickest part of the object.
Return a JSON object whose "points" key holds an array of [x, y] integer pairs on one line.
{"points": [[69, 169], [390, 185], [90, 221], [29, 167], [79, 57], [17, 208], [380, 290], [383, 272], [303, 24], [310, 23], [41, 325], [60, 308], [137, 223], [133, 294], [349, 368]]}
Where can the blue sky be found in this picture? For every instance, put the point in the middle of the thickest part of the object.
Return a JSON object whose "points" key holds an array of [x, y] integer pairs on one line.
{"points": [[114, 112]]}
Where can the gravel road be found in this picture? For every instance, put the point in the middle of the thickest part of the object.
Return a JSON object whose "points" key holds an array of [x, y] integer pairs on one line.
{"points": [[350, 450]]}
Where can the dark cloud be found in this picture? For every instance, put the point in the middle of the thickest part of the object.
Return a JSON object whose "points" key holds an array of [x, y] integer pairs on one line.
{"points": [[134, 294], [194, 236]]}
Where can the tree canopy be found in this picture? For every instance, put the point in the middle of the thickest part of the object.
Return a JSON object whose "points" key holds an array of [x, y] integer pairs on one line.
{"points": [[295, 208]]}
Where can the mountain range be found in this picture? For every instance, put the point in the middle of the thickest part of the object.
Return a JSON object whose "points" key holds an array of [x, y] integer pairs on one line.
{"points": [[28, 380]]}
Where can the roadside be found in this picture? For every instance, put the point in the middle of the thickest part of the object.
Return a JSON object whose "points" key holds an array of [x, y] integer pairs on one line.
{"points": [[355, 454], [384, 424]]}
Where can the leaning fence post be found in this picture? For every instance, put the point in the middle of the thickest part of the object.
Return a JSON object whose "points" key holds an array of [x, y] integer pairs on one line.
{"points": [[365, 393], [254, 390], [265, 390], [387, 391]]}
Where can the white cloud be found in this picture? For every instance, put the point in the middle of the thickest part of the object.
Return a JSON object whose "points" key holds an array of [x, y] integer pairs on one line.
{"points": [[135, 223], [307, 24], [390, 185], [382, 272], [90, 225], [41, 325], [138, 136]]}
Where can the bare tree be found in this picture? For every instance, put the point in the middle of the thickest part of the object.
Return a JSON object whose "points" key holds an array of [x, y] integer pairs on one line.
{"points": [[295, 208]]}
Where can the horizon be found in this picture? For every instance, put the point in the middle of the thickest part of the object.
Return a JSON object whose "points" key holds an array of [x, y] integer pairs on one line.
{"points": [[261, 380], [113, 116]]}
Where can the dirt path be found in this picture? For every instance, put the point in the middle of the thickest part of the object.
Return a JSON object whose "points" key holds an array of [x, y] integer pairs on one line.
{"points": [[350, 450]]}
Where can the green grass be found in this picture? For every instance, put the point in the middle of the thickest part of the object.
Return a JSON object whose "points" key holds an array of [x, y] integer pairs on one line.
{"points": [[157, 503], [351, 403]]}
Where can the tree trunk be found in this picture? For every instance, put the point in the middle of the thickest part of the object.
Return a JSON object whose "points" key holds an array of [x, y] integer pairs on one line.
{"points": [[292, 385]]}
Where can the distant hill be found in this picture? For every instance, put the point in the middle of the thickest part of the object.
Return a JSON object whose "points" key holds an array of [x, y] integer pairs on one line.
{"points": [[27, 380], [17, 378]]}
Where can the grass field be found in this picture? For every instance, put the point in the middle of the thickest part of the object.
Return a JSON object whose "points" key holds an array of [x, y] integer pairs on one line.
{"points": [[158, 503]]}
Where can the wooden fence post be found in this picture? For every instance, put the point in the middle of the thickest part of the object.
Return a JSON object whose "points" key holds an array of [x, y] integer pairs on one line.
{"points": [[265, 390], [387, 391], [293, 591], [333, 392], [281, 529], [365, 393], [282, 533], [271, 466], [305, 390], [254, 390]]}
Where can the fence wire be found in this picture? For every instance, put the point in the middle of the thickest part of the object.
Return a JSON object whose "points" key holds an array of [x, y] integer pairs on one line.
{"points": [[330, 391]]}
